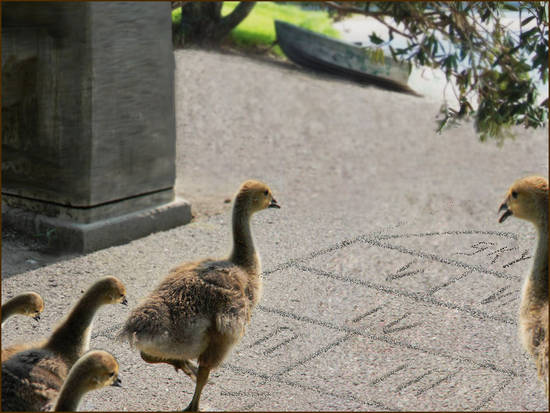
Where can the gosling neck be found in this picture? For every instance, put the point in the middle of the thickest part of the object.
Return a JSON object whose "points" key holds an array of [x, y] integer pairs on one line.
{"points": [[11, 307], [540, 265], [71, 339], [72, 391], [244, 253], [536, 286]]}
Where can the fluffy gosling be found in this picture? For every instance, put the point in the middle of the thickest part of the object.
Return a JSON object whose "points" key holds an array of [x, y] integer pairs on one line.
{"points": [[94, 370], [200, 310], [527, 199], [28, 304]]}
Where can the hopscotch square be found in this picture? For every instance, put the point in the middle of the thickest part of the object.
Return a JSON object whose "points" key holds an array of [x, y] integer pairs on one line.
{"points": [[386, 267], [486, 293], [279, 342]]}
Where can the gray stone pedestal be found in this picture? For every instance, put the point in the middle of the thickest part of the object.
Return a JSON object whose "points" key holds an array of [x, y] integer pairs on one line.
{"points": [[88, 122]]}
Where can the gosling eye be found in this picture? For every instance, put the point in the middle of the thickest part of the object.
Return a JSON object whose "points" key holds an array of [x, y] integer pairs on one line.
{"points": [[514, 194], [266, 192], [112, 374]]}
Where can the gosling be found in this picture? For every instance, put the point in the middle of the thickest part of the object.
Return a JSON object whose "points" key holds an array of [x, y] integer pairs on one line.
{"points": [[28, 304], [33, 376], [527, 199], [200, 310], [92, 371]]}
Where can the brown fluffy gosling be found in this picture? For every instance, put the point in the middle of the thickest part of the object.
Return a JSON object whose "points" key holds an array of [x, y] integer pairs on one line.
{"points": [[200, 310], [28, 304], [32, 378], [527, 199], [92, 371]]}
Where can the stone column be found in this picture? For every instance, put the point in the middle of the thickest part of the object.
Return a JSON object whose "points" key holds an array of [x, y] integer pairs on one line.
{"points": [[88, 122]]}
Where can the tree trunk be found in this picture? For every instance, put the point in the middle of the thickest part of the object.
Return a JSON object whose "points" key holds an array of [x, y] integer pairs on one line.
{"points": [[202, 22]]}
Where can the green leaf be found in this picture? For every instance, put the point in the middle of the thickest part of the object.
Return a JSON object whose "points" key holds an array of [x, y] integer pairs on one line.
{"points": [[525, 35], [435, 47], [375, 39], [526, 21], [509, 6]]}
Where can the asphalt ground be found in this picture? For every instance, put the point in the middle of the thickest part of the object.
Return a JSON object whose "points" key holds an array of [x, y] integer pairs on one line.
{"points": [[388, 282]]}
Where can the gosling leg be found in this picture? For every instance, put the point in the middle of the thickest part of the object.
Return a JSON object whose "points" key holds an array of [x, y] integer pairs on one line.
{"points": [[202, 378], [186, 366]]}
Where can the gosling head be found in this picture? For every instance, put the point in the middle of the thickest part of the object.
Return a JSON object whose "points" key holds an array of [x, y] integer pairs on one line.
{"points": [[111, 290], [92, 371], [255, 196], [29, 304], [99, 369], [527, 199]]}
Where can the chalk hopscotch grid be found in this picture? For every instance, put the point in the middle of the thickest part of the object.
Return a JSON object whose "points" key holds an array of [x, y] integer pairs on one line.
{"points": [[378, 240]]}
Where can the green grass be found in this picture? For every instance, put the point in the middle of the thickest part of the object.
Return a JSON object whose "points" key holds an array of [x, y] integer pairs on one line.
{"points": [[258, 29]]}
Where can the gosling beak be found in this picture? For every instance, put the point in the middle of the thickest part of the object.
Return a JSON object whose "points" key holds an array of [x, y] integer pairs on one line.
{"points": [[117, 383], [274, 204], [124, 301], [507, 212], [37, 317]]}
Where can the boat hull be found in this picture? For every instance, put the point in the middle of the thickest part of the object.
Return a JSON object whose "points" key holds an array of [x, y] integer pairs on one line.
{"points": [[318, 52]]}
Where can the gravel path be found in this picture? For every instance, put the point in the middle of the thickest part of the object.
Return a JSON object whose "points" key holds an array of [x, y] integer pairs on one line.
{"points": [[388, 283]]}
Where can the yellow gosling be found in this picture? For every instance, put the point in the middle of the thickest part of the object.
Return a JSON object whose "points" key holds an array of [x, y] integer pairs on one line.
{"points": [[28, 304], [94, 370], [527, 199]]}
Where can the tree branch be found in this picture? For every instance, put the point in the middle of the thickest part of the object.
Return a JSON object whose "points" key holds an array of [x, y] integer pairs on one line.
{"points": [[228, 23]]}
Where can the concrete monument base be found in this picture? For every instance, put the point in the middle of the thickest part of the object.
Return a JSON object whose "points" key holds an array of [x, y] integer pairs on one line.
{"points": [[61, 232]]}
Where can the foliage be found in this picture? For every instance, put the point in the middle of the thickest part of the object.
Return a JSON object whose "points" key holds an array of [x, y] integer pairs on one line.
{"points": [[495, 68], [258, 29]]}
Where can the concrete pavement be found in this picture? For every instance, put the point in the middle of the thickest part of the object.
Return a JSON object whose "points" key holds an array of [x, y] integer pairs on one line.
{"points": [[388, 283]]}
